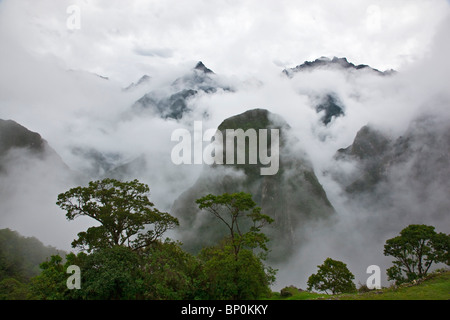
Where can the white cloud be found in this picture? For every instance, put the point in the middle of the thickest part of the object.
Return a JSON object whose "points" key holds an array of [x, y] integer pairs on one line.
{"points": [[232, 37]]}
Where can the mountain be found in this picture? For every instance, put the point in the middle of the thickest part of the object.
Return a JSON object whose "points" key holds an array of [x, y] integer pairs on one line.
{"points": [[96, 163], [404, 176], [143, 80], [333, 63], [330, 106], [201, 67], [126, 170], [327, 102], [15, 139], [13, 135], [293, 196], [173, 102], [372, 150], [21, 256]]}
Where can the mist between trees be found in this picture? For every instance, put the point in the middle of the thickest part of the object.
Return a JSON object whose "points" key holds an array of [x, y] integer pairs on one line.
{"points": [[126, 256]]}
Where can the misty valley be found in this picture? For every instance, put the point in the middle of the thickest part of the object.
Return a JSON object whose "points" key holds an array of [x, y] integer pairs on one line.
{"points": [[321, 167]]}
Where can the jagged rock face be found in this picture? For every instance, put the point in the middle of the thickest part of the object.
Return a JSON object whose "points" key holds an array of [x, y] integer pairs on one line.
{"points": [[174, 106], [334, 63], [293, 197], [371, 151], [402, 170], [173, 103], [331, 107], [143, 80], [201, 67], [329, 103]]}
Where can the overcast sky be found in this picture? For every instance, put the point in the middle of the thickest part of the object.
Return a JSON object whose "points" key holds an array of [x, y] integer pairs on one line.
{"points": [[125, 39]]}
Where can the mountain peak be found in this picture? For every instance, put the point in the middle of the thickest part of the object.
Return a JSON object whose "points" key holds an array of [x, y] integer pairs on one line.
{"points": [[325, 62], [201, 67], [14, 135]]}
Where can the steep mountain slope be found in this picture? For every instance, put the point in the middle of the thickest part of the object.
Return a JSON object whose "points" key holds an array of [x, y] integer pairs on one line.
{"points": [[410, 174], [32, 175], [16, 139], [293, 197], [20, 256]]}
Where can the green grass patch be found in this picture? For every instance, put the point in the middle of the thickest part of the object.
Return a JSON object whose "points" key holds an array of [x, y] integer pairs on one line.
{"points": [[436, 286]]}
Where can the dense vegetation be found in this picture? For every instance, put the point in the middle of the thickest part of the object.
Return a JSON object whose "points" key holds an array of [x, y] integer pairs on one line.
{"points": [[127, 257], [20, 258]]}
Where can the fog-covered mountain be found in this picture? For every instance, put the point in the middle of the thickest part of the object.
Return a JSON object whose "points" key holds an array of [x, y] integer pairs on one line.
{"points": [[172, 101], [349, 173], [293, 196], [19, 145], [407, 176], [333, 63]]}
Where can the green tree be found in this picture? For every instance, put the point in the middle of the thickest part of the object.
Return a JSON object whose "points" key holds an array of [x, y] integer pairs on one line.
{"points": [[110, 274], [232, 269], [121, 261], [171, 273], [235, 210], [332, 276], [126, 215], [415, 250], [106, 274], [51, 283], [228, 278], [12, 289]]}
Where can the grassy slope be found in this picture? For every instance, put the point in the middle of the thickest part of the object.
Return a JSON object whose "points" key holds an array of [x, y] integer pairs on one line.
{"points": [[435, 287]]}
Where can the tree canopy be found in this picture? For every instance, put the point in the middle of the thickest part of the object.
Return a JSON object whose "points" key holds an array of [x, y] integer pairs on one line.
{"points": [[235, 211], [332, 276], [123, 210], [232, 269], [415, 250]]}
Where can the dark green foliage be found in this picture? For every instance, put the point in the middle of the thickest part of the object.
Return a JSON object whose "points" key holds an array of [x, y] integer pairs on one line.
{"points": [[106, 274], [332, 276], [171, 273], [289, 291], [12, 289], [235, 211], [162, 271], [51, 283], [232, 269], [415, 250], [123, 211], [20, 256], [110, 274], [235, 278], [122, 261]]}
